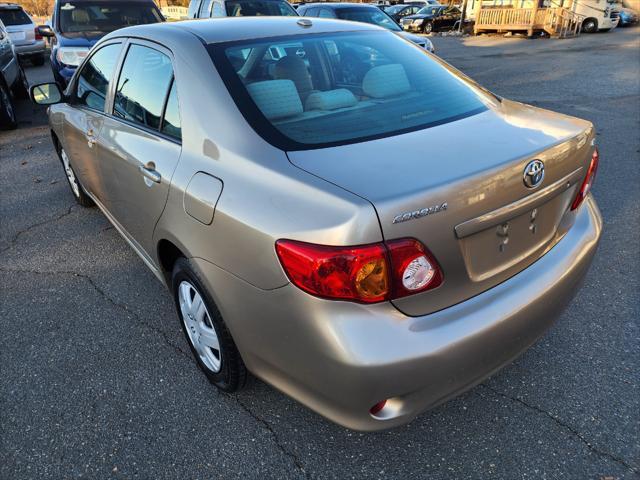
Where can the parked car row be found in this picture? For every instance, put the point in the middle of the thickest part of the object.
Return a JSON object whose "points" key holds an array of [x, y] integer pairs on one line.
{"points": [[361, 12]]}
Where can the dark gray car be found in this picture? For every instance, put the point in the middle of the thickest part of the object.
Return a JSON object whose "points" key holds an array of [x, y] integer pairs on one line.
{"points": [[13, 81]]}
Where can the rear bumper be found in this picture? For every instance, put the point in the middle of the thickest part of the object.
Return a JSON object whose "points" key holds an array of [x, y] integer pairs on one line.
{"points": [[35, 48], [340, 358]]}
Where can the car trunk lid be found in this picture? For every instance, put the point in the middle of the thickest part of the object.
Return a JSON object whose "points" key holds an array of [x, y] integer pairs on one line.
{"points": [[459, 189]]}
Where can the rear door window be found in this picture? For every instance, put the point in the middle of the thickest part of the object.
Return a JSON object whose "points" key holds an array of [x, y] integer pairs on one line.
{"points": [[143, 86], [93, 80]]}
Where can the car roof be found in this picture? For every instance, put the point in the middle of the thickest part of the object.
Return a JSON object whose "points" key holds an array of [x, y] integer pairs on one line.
{"points": [[231, 29], [12, 6], [334, 5]]}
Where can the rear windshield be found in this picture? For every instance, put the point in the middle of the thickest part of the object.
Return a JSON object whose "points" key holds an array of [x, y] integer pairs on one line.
{"points": [[252, 8], [105, 16], [13, 16], [311, 91]]}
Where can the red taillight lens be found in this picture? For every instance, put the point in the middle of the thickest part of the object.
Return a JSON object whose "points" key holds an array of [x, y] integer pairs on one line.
{"points": [[364, 273], [588, 180], [349, 273], [38, 36]]}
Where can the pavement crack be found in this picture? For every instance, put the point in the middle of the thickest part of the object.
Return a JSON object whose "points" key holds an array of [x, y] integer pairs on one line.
{"points": [[567, 427], [112, 301], [296, 460], [19, 233]]}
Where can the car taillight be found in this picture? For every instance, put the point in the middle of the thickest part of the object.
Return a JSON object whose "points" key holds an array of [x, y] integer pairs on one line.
{"points": [[364, 273], [588, 180], [38, 36], [414, 268]]}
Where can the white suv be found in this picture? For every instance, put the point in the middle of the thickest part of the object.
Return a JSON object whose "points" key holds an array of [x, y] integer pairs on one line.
{"points": [[22, 31]]}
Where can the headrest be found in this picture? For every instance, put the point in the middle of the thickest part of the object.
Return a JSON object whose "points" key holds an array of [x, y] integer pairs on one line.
{"points": [[330, 100], [385, 81], [80, 15], [276, 98]]}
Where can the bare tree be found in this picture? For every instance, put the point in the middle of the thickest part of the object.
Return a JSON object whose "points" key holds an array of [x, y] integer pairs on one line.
{"points": [[38, 8]]}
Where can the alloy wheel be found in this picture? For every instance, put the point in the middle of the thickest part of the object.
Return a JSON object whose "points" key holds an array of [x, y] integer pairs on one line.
{"points": [[71, 176], [200, 330]]}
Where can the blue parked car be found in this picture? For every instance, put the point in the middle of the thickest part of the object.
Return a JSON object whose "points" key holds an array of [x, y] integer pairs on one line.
{"points": [[627, 17], [76, 25]]}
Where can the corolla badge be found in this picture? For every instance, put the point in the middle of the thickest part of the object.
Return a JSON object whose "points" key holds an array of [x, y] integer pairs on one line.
{"points": [[403, 217], [533, 173]]}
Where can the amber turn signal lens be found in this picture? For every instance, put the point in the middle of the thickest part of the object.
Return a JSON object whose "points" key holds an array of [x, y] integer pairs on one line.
{"points": [[371, 279]]}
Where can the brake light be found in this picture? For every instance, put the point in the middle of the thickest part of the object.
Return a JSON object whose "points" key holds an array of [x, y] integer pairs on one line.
{"points": [[365, 273], [588, 180], [38, 36]]}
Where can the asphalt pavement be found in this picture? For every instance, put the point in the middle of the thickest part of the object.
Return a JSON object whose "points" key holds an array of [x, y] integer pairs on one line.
{"points": [[96, 380]]}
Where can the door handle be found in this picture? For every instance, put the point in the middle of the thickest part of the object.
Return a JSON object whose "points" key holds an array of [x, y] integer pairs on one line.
{"points": [[149, 171], [91, 139]]}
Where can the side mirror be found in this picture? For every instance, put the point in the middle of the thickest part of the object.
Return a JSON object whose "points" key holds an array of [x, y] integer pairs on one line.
{"points": [[45, 94], [45, 31]]}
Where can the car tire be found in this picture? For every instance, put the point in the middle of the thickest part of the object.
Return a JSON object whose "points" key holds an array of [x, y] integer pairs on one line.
{"points": [[428, 28], [21, 87], [8, 119], [77, 190], [38, 60], [207, 334], [590, 25]]}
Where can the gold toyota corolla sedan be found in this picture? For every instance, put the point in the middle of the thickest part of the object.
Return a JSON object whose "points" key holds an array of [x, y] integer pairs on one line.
{"points": [[333, 208]]}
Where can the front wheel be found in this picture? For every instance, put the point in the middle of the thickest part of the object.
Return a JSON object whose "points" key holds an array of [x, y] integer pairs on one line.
{"points": [[76, 187], [207, 334], [7, 111], [428, 28], [590, 25]]}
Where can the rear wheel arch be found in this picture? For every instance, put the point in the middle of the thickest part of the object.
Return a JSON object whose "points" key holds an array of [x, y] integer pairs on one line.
{"points": [[168, 254]]}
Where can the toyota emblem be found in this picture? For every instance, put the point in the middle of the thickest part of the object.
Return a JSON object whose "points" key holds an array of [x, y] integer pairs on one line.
{"points": [[533, 173]]}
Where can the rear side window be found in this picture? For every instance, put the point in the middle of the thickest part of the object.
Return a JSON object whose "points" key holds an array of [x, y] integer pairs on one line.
{"points": [[332, 89], [93, 80], [142, 86], [14, 16]]}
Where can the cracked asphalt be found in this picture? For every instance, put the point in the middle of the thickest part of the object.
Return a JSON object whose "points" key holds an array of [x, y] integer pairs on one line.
{"points": [[96, 380]]}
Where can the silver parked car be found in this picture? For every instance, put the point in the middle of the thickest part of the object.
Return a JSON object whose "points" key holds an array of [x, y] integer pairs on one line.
{"points": [[23, 32], [273, 174]]}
